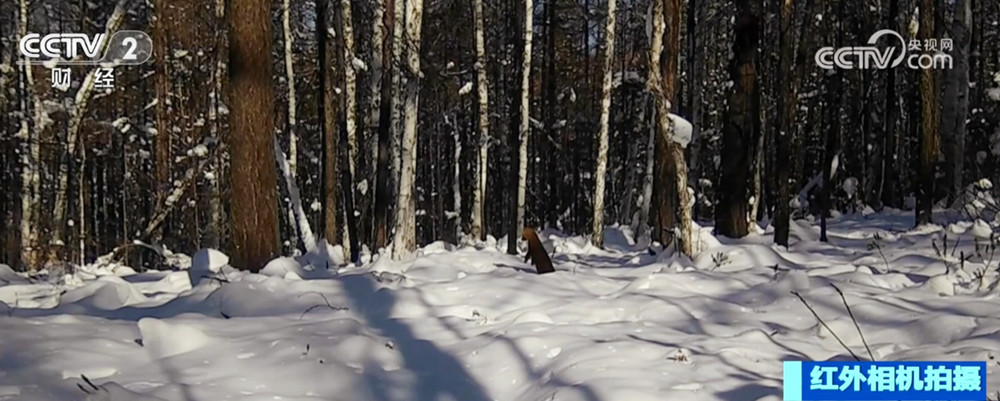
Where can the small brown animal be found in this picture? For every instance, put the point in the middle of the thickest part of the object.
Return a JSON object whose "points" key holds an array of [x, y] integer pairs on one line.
{"points": [[536, 252]]}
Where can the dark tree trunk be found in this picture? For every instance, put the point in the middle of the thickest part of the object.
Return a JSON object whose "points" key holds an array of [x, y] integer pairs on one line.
{"points": [[742, 125], [929, 139], [383, 193], [253, 177], [788, 83], [328, 114]]}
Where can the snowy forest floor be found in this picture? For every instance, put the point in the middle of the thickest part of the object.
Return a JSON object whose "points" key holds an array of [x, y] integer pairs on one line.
{"points": [[475, 324]]}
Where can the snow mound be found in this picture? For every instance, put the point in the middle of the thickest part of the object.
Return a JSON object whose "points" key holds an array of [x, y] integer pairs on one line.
{"points": [[206, 263], [9, 276], [105, 293], [283, 267], [164, 339], [981, 229]]}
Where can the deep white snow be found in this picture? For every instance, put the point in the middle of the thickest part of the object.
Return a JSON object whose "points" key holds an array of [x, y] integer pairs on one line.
{"points": [[474, 324]]}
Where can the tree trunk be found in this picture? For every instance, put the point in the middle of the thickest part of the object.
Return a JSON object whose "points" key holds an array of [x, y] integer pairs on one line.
{"points": [[955, 104], [483, 124], [293, 150], [387, 109], [662, 84], [602, 135], [293, 146], [254, 205], [888, 178], [165, 15], [788, 83], [31, 246], [525, 127], [641, 223], [929, 140], [405, 241], [741, 126], [399, 45], [329, 114], [350, 111]]}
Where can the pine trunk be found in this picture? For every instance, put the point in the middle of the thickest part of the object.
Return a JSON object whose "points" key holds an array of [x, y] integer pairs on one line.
{"points": [[328, 67], [929, 120], [254, 205]]}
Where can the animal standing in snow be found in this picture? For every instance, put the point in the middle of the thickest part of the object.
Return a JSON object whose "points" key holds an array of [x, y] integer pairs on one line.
{"points": [[536, 252]]}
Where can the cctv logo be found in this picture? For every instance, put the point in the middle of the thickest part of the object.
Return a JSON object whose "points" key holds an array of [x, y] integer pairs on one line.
{"points": [[866, 57], [863, 56], [122, 48], [62, 45]]}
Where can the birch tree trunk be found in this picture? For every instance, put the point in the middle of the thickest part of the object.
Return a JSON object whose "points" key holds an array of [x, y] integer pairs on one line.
{"points": [[602, 135], [293, 146], [399, 44], [525, 127], [405, 241], [457, 184], [293, 150], [483, 121], [399, 49], [662, 78]]}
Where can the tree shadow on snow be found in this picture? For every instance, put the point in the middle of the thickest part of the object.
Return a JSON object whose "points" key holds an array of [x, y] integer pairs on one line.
{"points": [[438, 373]]}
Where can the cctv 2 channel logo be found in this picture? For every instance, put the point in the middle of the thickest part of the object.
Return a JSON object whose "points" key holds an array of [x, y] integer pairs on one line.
{"points": [[123, 48]]}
